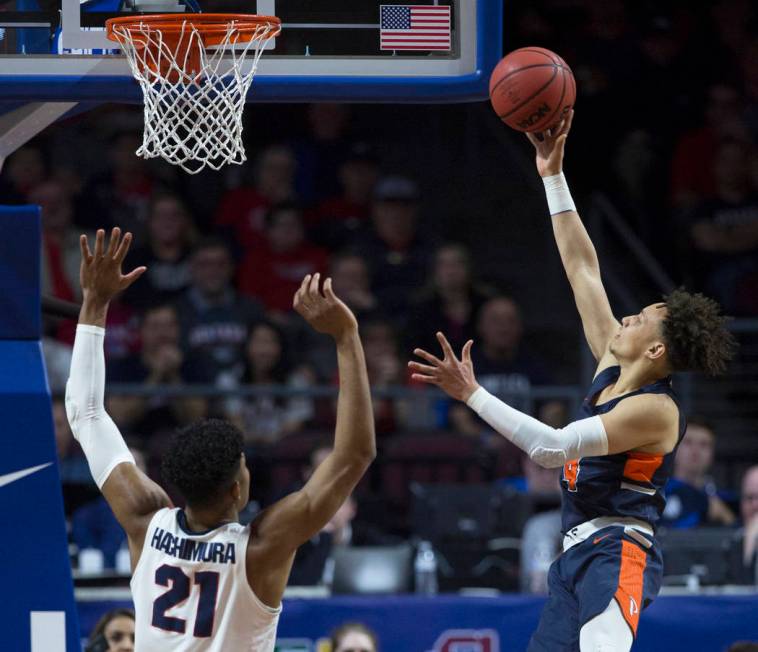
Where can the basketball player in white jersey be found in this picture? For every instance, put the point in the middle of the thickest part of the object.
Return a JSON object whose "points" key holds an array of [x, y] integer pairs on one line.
{"points": [[201, 581]]}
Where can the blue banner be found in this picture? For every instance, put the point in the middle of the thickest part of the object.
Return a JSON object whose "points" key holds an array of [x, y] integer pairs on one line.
{"points": [[38, 611], [502, 624]]}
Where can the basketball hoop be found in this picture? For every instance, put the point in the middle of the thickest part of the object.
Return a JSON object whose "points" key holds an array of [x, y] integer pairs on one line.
{"points": [[190, 68]]}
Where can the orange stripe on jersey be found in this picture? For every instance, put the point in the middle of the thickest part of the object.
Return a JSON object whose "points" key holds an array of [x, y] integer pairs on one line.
{"points": [[640, 467], [570, 471], [631, 576]]}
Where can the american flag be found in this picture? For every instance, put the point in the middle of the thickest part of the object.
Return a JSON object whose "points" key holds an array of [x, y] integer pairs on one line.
{"points": [[414, 27]]}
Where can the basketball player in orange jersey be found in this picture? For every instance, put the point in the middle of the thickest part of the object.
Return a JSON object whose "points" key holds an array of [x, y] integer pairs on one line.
{"points": [[618, 454], [202, 581]]}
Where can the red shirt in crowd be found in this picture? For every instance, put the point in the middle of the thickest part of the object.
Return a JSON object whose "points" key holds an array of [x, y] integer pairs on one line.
{"points": [[273, 278], [243, 210]]}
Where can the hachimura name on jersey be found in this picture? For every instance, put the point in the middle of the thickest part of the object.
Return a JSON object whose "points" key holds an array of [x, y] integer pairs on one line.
{"points": [[193, 550]]}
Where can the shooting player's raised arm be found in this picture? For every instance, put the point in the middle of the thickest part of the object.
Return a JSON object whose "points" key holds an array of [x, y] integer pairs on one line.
{"points": [[577, 251]]}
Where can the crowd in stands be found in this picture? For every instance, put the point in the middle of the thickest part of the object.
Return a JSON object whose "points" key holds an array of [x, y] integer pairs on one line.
{"points": [[225, 253]]}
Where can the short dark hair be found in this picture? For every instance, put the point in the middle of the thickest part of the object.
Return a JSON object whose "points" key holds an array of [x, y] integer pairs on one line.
{"points": [[695, 333], [203, 459], [344, 629]]}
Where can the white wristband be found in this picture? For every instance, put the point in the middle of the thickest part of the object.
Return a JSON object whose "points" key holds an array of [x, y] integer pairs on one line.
{"points": [[477, 399], [558, 194]]}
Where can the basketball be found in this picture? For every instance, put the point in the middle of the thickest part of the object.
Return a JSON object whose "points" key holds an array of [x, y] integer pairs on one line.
{"points": [[531, 89]]}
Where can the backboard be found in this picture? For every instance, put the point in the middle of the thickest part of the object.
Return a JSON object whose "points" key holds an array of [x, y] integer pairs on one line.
{"points": [[361, 50]]}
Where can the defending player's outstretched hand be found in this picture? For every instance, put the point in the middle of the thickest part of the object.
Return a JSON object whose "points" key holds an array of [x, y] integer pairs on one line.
{"points": [[100, 273], [324, 311], [455, 377], [549, 146]]}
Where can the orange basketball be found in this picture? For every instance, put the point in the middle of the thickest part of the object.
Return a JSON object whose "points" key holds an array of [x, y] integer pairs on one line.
{"points": [[531, 89]]}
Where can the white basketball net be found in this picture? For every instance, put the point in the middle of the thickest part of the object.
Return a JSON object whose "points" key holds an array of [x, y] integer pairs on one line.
{"points": [[193, 119]]}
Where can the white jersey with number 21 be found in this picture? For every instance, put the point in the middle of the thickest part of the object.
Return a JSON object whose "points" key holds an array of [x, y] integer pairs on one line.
{"points": [[191, 592]]}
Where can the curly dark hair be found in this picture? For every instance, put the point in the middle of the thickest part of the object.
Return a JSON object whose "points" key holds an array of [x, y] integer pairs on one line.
{"points": [[202, 460], [695, 333]]}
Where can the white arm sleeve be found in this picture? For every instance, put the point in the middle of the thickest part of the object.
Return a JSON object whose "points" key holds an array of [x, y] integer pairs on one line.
{"points": [[91, 425], [548, 447]]}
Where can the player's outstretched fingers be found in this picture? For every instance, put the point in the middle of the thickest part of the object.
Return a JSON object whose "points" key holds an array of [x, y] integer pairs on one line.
{"points": [[328, 291], [113, 242], [466, 353], [431, 359], [429, 380], [99, 243], [299, 298], [123, 248], [567, 123], [133, 276], [84, 246], [313, 291], [417, 367], [447, 349]]}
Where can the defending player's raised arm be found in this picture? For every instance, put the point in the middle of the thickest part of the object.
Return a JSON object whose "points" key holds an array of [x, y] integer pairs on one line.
{"points": [[289, 523], [132, 496], [577, 251]]}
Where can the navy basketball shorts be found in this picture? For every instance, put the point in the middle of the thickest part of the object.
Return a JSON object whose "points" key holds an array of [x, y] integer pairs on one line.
{"points": [[607, 565]]}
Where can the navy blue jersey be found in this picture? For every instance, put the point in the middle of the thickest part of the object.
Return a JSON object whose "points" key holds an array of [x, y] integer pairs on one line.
{"points": [[626, 484]]}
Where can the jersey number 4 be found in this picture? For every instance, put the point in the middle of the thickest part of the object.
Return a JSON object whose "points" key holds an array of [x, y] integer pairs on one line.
{"points": [[570, 473], [180, 587]]}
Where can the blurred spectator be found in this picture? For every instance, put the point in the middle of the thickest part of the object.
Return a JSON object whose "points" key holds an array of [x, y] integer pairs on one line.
{"points": [[313, 564], [122, 330], [386, 369], [541, 540], [114, 632], [60, 260], [243, 210], [749, 514], [273, 271], [395, 250], [639, 188], [692, 177], [120, 195], [160, 361], [320, 154], [165, 253], [94, 526], [731, 20], [337, 218], [451, 304], [60, 250], [691, 498], [502, 365], [351, 281], [215, 320], [24, 170], [354, 637], [265, 419], [662, 41], [724, 230]]}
